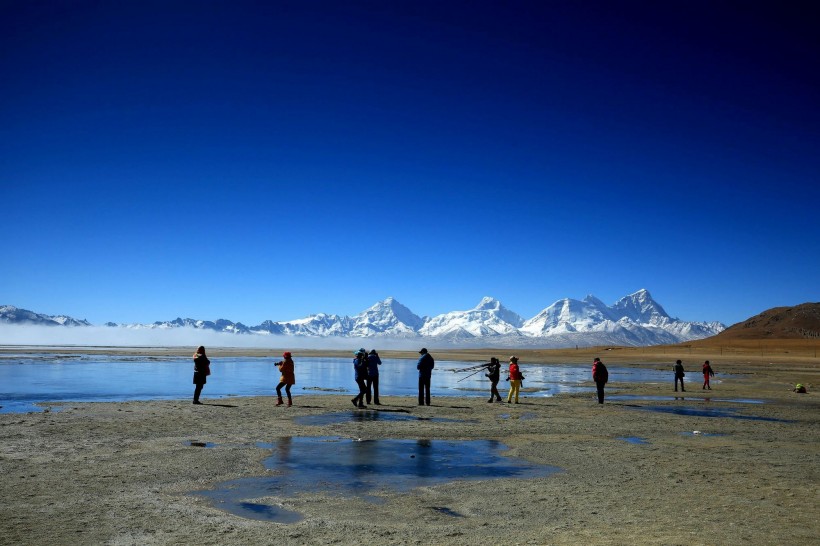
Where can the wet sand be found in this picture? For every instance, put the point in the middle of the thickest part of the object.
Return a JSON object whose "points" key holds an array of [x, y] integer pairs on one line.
{"points": [[122, 473]]}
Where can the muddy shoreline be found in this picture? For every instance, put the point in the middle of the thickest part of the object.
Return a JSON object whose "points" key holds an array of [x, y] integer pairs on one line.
{"points": [[123, 473]]}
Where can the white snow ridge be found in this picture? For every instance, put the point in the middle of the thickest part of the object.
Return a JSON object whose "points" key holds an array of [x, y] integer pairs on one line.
{"points": [[634, 320]]}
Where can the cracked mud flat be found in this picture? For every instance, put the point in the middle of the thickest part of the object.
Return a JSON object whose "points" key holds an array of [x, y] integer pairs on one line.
{"points": [[123, 473]]}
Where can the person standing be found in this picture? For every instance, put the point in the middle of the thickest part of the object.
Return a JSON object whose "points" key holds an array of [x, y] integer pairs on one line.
{"points": [[707, 373], [360, 374], [202, 369], [679, 373], [373, 363], [287, 378], [515, 379], [600, 375], [494, 373], [425, 367]]}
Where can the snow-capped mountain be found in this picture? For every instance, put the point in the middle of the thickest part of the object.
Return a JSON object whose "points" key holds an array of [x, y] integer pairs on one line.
{"points": [[14, 315], [386, 317], [488, 318], [634, 320]]}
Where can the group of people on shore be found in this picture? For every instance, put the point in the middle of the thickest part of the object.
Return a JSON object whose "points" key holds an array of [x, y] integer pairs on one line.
{"points": [[600, 376], [366, 374]]}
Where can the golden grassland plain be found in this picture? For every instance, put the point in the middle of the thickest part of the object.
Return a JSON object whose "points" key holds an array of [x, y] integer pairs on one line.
{"points": [[123, 473]]}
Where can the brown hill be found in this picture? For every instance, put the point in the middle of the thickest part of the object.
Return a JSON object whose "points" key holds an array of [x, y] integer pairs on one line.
{"points": [[798, 322]]}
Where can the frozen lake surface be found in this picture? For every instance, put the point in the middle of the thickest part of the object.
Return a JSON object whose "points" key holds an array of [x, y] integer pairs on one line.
{"points": [[29, 379]]}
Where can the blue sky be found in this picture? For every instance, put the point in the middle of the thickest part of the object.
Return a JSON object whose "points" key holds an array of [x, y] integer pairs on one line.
{"points": [[269, 160]]}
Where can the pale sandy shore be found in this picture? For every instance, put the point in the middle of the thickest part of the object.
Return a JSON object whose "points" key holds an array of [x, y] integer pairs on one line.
{"points": [[122, 473]]}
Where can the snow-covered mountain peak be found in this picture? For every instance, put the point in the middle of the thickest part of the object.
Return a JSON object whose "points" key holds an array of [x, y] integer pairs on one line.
{"points": [[487, 303], [386, 317], [640, 307]]}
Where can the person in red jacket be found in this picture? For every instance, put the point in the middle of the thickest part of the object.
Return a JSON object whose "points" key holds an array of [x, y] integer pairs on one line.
{"points": [[707, 373], [515, 379], [287, 378], [600, 375]]}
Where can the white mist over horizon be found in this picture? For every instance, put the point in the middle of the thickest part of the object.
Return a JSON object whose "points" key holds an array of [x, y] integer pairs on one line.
{"points": [[106, 336]]}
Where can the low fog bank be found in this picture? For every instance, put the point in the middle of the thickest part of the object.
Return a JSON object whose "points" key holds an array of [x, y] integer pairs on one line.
{"points": [[16, 334]]}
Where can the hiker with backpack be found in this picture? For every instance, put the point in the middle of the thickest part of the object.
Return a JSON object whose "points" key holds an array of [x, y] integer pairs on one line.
{"points": [[600, 375], [515, 378]]}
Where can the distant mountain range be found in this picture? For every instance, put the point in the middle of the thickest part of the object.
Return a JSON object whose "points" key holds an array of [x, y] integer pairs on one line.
{"points": [[634, 320]]}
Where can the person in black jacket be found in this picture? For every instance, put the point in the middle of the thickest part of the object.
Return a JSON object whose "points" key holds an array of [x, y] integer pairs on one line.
{"points": [[679, 373], [360, 374], [425, 367], [373, 363], [494, 373], [202, 369]]}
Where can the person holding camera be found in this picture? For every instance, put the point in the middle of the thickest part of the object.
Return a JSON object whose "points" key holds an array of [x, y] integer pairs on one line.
{"points": [[494, 373], [360, 374], [287, 378]]}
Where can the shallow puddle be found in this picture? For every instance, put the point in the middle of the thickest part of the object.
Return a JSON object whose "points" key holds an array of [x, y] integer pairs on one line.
{"points": [[670, 398], [709, 412], [633, 440], [364, 417], [363, 469]]}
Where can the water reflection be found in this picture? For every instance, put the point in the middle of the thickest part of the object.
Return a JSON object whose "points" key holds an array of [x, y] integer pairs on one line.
{"points": [[711, 411], [364, 469], [365, 417]]}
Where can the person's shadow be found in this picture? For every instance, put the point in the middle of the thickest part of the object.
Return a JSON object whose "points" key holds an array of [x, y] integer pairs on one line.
{"points": [[219, 405]]}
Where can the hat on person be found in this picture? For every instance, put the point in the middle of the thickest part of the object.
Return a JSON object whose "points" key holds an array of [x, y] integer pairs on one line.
{"points": [[423, 351], [513, 359], [360, 352], [286, 354], [373, 352]]}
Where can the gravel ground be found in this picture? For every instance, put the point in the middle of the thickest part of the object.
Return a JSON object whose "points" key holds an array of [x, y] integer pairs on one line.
{"points": [[123, 473]]}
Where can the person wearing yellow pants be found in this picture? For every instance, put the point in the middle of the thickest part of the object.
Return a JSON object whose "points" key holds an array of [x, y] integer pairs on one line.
{"points": [[515, 379]]}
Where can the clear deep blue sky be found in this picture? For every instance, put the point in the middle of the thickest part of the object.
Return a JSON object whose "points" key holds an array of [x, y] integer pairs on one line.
{"points": [[268, 160]]}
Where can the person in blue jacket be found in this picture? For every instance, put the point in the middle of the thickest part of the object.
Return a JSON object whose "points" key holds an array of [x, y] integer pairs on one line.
{"points": [[373, 363], [425, 368], [360, 369]]}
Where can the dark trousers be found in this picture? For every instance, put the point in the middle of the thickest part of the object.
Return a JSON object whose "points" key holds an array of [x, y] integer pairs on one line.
{"points": [[600, 387], [198, 391], [424, 391], [373, 388], [681, 383], [494, 391], [359, 398], [279, 390]]}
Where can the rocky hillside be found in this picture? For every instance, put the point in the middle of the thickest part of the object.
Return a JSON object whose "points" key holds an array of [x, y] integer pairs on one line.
{"points": [[797, 322]]}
